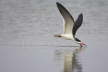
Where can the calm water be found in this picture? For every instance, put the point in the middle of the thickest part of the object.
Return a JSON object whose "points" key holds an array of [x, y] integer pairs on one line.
{"points": [[27, 28]]}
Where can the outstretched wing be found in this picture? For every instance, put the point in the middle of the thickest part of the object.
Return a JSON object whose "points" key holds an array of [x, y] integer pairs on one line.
{"points": [[69, 21], [77, 24]]}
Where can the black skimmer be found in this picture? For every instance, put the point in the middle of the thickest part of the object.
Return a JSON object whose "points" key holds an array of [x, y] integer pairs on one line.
{"points": [[70, 26]]}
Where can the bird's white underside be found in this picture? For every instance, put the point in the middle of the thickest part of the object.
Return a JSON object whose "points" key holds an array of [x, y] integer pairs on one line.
{"points": [[68, 36], [68, 25]]}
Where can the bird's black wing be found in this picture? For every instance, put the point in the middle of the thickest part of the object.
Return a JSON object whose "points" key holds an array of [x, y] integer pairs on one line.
{"points": [[77, 24], [69, 21]]}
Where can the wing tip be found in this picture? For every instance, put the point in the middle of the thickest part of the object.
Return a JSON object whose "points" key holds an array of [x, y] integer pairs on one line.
{"points": [[58, 4], [81, 15]]}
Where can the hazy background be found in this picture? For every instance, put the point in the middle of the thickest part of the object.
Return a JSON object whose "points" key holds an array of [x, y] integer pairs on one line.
{"points": [[27, 28]]}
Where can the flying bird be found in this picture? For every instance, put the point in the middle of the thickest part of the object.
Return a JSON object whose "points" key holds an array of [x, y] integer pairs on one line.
{"points": [[70, 26]]}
